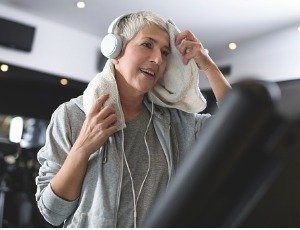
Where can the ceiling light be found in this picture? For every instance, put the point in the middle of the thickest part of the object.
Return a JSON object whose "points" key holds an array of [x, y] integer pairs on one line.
{"points": [[80, 4], [232, 46], [64, 81], [4, 68], [298, 28]]}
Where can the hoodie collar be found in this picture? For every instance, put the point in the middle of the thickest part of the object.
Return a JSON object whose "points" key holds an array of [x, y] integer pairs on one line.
{"points": [[158, 111]]}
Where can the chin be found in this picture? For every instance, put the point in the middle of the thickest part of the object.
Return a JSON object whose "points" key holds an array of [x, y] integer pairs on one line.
{"points": [[144, 89]]}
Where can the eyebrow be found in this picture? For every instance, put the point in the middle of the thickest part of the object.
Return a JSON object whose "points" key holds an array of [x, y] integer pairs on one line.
{"points": [[155, 41]]}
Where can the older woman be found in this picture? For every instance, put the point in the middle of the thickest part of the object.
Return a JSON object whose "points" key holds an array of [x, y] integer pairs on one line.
{"points": [[82, 186]]}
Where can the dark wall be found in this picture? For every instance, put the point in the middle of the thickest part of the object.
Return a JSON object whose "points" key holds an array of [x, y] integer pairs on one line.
{"points": [[30, 93]]}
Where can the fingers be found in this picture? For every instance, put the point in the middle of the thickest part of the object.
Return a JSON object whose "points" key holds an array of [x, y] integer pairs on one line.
{"points": [[105, 112], [99, 103], [196, 53], [188, 56], [189, 50], [108, 126], [102, 116], [112, 130], [187, 46], [186, 42], [110, 121], [187, 35]]}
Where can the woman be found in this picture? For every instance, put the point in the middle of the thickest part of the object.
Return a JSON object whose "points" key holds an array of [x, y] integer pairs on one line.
{"points": [[84, 187]]}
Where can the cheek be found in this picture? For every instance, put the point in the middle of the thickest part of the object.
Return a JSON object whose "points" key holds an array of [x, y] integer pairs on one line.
{"points": [[133, 60], [129, 62], [134, 53]]}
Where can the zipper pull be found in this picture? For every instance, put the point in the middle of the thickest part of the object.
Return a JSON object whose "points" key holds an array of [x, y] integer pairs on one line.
{"points": [[104, 157]]}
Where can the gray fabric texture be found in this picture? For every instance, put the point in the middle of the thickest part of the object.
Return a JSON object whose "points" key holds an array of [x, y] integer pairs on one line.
{"points": [[99, 201], [137, 157]]}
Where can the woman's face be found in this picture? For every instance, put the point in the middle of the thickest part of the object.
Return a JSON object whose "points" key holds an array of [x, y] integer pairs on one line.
{"points": [[145, 59]]}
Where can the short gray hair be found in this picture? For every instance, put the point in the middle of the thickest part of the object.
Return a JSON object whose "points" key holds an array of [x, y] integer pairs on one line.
{"points": [[132, 23]]}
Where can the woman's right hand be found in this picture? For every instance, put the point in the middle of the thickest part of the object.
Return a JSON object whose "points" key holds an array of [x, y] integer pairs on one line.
{"points": [[100, 123]]}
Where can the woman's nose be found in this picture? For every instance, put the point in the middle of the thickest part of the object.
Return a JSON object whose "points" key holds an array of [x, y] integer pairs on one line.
{"points": [[157, 56]]}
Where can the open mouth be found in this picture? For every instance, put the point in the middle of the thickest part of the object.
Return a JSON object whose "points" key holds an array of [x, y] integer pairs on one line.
{"points": [[148, 73]]}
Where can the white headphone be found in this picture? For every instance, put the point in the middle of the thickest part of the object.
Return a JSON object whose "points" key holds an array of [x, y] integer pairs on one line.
{"points": [[111, 44]]}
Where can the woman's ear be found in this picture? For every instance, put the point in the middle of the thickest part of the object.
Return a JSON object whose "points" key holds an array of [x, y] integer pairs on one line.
{"points": [[115, 61]]}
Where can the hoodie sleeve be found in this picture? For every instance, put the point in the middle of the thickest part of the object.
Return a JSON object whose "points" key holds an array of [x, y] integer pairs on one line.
{"points": [[201, 121], [51, 157]]}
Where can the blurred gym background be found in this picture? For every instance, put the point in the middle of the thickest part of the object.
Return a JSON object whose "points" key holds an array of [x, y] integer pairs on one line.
{"points": [[49, 51]]}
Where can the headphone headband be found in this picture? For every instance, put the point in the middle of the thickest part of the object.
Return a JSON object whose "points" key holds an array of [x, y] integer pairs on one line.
{"points": [[114, 23], [111, 44]]}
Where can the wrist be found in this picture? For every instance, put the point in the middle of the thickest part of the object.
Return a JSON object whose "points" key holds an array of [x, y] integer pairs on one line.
{"points": [[211, 68], [213, 72], [79, 151]]}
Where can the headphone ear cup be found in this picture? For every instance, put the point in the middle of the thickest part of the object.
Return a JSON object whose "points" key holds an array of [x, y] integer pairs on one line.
{"points": [[111, 45]]}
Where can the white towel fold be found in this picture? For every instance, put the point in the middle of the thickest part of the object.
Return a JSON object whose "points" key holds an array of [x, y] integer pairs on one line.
{"points": [[105, 83], [177, 89]]}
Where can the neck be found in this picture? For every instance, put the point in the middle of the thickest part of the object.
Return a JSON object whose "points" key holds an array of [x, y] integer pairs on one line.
{"points": [[131, 104], [131, 100]]}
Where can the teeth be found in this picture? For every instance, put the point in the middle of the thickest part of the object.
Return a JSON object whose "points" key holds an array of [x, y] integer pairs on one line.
{"points": [[148, 71]]}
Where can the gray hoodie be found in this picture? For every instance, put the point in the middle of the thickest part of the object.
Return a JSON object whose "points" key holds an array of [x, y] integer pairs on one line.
{"points": [[98, 203]]}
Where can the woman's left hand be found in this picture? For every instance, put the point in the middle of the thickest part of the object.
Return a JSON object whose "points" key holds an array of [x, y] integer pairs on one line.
{"points": [[189, 46]]}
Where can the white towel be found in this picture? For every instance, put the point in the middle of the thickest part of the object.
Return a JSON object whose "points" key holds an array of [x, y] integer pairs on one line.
{"points": [[178, 88], [105, 83]]}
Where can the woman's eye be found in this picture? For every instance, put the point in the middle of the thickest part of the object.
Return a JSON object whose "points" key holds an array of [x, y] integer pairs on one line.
{"points": [[147, 44], [166, 53]]}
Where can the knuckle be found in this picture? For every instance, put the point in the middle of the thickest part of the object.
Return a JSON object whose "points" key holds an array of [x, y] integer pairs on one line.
{"points": [[103, 111], [103, 108], [93, 121], [101, 99], [107, 109], [98, 127], [90, 123], [182, 49], [105, 133], [101, 126], [111, 109], [111, 119]]}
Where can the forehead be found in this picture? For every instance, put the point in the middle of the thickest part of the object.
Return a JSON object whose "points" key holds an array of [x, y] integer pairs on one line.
{"points": [[156, 33]]}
